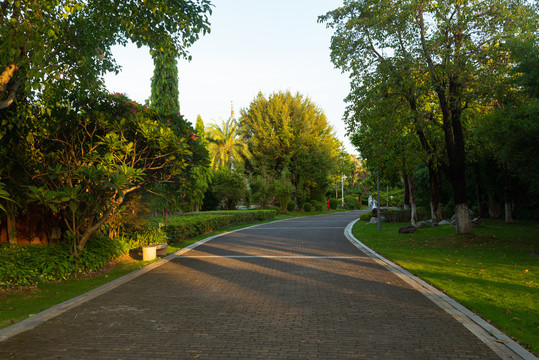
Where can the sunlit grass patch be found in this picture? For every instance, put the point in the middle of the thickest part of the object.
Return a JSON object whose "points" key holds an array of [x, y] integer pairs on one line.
{"points": [[493, 272]]}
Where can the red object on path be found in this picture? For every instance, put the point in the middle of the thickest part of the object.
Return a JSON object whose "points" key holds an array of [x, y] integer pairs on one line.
{"points": [[328, 206]]}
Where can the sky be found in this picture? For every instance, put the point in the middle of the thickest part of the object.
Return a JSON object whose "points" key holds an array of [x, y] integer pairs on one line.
{"points": [[254, 46]]}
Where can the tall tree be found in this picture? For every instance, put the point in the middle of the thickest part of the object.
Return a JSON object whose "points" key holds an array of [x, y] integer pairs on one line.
{"points": [[451, 41], [509, 132], [226, 144], [66, 43], [286, 131], [165, 93]]}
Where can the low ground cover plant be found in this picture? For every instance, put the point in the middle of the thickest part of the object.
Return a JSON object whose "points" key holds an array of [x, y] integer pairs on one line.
{"points": [[494, 272]]}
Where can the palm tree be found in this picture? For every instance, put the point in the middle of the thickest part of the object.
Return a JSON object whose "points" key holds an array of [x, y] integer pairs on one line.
{"points": [[226, 144]]}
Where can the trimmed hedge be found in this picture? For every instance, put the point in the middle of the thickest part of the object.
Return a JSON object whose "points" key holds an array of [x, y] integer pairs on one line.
{"points": [[184, 227], [307, 207]]}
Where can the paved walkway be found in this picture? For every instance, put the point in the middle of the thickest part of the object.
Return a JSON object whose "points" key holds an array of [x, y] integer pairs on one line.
{"points": [[295, 289]]}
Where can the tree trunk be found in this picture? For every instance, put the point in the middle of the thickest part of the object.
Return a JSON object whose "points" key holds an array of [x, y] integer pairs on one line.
{"points": [[12, 229], [508, 197], [406, 191], [413, 216], [165, 215], [454, 142], [435, 186]]}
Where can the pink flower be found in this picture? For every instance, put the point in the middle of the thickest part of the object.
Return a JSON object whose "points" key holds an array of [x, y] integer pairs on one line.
{"points": [[134, 111], [168, 120]]}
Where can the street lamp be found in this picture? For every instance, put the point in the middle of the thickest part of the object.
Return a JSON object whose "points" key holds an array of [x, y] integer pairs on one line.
{"points": [[342, 189]]}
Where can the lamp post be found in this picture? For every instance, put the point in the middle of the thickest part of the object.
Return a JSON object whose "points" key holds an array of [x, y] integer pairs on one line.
{"points": [[342, 189], [378, 210]]}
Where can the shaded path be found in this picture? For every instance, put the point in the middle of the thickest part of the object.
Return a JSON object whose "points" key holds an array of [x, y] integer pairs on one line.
{"points": [[284, 290]]}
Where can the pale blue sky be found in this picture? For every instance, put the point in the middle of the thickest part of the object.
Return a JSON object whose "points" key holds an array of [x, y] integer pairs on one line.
{"points": [[253, 46]]}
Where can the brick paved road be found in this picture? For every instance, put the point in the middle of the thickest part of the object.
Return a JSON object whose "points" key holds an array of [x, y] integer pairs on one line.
{"points": [[296, 289]]}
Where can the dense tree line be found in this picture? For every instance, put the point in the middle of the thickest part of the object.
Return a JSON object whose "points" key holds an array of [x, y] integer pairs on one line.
{"points": [[424, 74]]}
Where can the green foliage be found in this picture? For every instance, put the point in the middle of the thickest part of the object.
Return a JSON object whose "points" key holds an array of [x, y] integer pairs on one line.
{"points": [[291, 206], [416, 84], [275, 209], [318, 205], [365, 216], [510, 134], [34, 35], [261, 190], [229, 186], [226, 145], [283, 190], [334, 203], [28, 264], [307, 207], [351, 202], [101, 155], [165, 94], [183, 227], [4, 195], [286, 131], [150, 235]]}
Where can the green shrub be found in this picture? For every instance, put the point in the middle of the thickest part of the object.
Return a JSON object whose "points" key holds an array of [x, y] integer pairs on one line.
{"points": [[276, 209], [291, 206], [351, 202], [149, 236], [365, 216], [28, 264], [307, 207], [334, 203], [318, 206]]}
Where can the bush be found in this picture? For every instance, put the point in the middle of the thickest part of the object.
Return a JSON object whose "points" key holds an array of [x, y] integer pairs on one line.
{"points": [[291, 206], [334, 203], [149, 236], [307, 207], [365, 216], [276, 209], [318, 206], [351, 202], [22, 265]]}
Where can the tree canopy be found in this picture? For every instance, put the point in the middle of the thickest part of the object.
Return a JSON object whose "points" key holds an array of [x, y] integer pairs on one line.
{"points": [[286, 131], [66, 144], [436, 50]]}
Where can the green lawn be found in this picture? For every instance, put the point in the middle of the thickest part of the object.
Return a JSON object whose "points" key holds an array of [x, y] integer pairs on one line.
{"points": [[494, 272]]}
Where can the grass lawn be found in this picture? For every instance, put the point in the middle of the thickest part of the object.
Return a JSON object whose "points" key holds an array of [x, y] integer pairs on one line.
{"points": [[18, 305], [494, 272]]}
